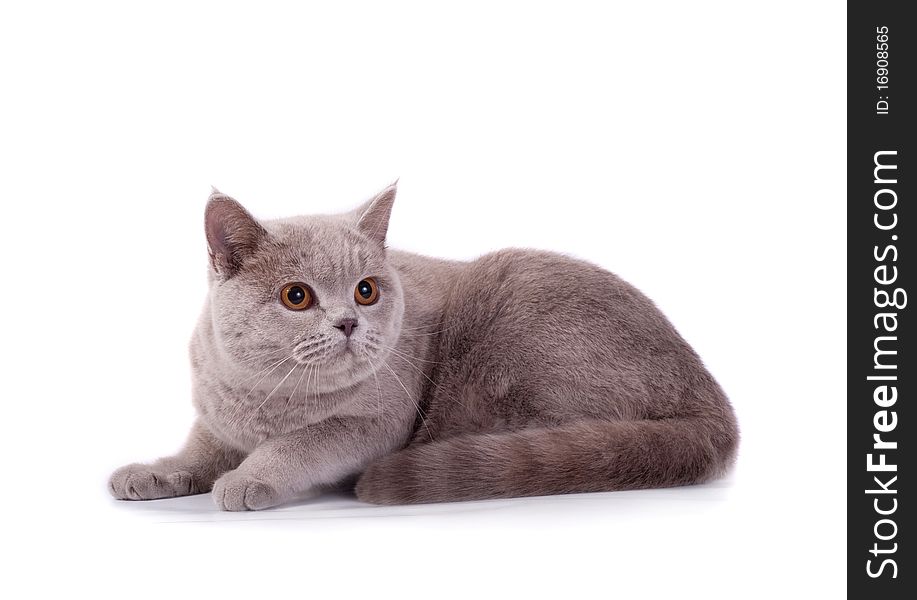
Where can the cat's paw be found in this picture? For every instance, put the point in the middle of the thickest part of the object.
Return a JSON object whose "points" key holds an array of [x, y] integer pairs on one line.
{"points": [[146, 482], [239, 491]]}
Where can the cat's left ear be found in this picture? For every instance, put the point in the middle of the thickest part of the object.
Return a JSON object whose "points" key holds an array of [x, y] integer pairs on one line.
{"points": [[232, 234], [372, 217]]}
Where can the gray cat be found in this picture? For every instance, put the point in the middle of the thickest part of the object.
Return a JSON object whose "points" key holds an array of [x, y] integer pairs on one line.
{"points": [[322, 357]]}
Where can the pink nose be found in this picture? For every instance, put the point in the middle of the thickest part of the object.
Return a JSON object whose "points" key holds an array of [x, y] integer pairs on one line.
{"points": [[347, 325]]}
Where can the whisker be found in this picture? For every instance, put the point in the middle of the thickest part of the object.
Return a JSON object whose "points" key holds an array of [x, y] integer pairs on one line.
{"points": [[254, 357], [412, 365], [271, 366], [423, 417], [275, 367], [296, 387], [313, 370], [380, 406], [423, 334], [276, 387], [419, 327], [402, 353], [314, 382], [256, 363], [311, 381]]}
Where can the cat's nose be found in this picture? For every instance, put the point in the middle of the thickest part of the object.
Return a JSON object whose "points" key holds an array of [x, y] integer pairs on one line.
{"points": [[347, 325]]}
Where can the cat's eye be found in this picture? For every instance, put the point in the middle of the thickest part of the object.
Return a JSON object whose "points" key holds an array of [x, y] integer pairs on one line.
{"points": [[366, 292], [296, 296]]}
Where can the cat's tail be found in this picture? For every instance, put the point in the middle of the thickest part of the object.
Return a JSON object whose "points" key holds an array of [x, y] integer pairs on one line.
{"points": [[583, 456]]}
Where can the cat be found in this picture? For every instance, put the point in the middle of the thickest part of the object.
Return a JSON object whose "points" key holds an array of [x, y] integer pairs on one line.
{"points": [[324, 357]]}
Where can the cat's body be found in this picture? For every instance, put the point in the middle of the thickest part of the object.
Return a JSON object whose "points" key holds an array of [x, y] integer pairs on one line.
{"points": [[520, 373]]}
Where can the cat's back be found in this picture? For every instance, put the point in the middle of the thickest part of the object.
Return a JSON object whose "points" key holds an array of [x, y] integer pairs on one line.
{"points": [[549, 286], [520, 302], [529, 332]]}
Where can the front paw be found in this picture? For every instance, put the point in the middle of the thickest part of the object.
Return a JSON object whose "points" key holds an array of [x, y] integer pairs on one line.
{"points": [[239, 491], [146, 482]]}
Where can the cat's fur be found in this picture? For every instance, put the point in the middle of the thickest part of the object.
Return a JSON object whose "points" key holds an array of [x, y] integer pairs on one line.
{"points": [[520, 373]]}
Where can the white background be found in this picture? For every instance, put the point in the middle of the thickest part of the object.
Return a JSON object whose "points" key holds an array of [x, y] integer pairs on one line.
{"points": [[697, 149]]}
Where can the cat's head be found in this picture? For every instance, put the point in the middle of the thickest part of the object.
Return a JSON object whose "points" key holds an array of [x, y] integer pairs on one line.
{"points": [[316, 290]]}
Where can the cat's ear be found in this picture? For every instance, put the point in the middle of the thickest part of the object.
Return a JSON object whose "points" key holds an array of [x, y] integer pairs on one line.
{"points": [[372, 217], [232, 233]]}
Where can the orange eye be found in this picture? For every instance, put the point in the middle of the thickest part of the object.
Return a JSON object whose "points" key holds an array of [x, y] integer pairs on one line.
{"points": [[296, 296], [366, 292]]}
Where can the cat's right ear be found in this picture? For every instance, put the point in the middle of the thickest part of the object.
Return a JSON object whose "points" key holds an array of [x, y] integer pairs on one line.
{"points": [[372, 217], [232, 234]]}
